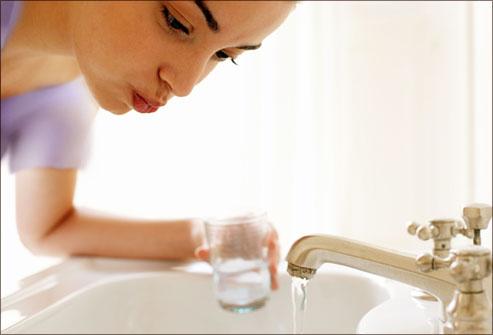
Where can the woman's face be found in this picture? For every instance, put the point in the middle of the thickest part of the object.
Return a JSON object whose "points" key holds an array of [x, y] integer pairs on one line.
{"points": [[137, 55]]}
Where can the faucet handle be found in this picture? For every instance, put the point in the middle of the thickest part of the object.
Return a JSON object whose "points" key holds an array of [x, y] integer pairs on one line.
{"points": [[466, 264], [462, 229], [424, 232], [477, 216], [440, 230], [470, 264], [427, 262], [469, 312]]}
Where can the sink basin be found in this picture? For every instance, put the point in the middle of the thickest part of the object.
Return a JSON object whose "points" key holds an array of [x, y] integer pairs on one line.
{"points": [[125, 297]]}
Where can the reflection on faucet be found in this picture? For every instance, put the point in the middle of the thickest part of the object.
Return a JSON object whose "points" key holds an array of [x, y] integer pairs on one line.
{"points": [[309, 252]]}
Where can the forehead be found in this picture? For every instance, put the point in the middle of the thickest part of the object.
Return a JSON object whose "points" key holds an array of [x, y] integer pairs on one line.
{"points": [[245, 19]]}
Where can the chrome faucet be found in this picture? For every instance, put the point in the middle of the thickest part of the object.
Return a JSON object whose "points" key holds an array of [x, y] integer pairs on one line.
{"points": [[454, 277], [309, 252]]}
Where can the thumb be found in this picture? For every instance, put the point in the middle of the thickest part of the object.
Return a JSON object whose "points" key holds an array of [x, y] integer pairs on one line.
{"points": [[202, 253]]}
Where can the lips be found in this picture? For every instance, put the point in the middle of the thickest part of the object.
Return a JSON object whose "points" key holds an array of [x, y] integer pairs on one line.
{"points": [[143, 105]]}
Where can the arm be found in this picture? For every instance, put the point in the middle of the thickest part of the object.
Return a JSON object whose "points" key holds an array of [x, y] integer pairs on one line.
{"points": [[49, 224]]}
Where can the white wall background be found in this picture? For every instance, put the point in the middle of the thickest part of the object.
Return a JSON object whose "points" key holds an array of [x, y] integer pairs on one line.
{"points": [[352, 119]]}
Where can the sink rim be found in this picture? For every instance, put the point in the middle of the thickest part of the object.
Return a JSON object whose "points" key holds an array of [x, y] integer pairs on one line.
{"points": [[100, 271]]}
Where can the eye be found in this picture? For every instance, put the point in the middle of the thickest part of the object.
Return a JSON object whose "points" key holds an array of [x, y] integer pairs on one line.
{"points": [[173, 22], [222, 56]]}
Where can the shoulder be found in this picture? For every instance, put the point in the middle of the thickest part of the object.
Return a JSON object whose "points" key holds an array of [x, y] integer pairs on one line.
{"points": [[71, 100]]}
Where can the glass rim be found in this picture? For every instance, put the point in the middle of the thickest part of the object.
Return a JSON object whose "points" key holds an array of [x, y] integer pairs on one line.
{"points": [[245, 218]]}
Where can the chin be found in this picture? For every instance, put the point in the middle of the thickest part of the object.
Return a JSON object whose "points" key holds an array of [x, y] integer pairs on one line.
{"points": [[118, 111], [117, 108], [106, 100]]}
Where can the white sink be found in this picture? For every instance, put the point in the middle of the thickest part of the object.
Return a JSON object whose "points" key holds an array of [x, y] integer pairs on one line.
{"points": [[118, 296]]}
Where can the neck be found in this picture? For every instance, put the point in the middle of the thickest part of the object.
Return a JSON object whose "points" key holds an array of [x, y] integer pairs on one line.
{"points": [[43, 28]]}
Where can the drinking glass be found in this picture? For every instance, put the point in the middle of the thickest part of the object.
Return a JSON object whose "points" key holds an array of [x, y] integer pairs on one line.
{"points": [[239, 258]]}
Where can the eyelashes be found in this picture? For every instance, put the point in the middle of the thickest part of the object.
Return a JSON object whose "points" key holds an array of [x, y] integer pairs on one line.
{"points": [[221, 56], [176, 26], [173, 23]]}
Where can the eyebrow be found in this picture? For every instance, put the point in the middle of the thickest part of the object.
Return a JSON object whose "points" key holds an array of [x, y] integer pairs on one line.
{"points": [[214, 26], [211, 21], [249, 47]]}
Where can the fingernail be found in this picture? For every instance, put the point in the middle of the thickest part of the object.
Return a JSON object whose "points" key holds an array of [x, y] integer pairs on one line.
{"points": [[275, 284]]}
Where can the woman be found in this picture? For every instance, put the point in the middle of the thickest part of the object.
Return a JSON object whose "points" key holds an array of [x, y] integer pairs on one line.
{"points": [[60, 60]]}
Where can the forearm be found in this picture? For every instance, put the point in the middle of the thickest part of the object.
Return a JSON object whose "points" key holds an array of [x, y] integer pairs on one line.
{"points": [[83, 232]]}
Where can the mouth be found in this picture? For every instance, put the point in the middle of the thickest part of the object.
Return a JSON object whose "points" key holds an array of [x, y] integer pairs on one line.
{"points": [[143, 105]]}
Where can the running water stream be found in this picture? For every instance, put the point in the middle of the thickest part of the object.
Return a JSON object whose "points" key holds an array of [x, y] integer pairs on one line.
{"points": [[299, 298]]}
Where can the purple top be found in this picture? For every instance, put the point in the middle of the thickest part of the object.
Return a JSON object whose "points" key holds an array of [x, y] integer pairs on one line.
{"points": [[47, 127]]}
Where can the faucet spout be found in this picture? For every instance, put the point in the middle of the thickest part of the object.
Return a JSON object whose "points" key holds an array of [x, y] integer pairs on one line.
{"points": [[308, 253]]}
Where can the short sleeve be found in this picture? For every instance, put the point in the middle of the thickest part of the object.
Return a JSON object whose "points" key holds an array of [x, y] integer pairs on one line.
{"points": [[50, 127]]}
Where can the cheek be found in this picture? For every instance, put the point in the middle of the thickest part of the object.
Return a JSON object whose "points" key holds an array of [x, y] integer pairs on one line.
{"points": [[208, 69], [113, 49]]}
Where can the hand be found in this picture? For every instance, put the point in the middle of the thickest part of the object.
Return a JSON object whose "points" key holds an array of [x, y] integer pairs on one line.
{"points": [[202, 253]]}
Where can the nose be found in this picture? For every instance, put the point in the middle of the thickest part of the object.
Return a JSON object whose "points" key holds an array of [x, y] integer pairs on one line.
{"points": [[183, 75]]}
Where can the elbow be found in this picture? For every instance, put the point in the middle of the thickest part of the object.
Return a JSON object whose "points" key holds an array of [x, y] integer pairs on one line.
{"points": [[41, 242], [33, 243], [42, 245]]}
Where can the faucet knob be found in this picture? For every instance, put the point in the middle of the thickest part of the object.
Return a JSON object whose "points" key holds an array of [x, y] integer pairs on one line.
{"points": [[469, 312], [412, 227], [424, 232], [471, 264], [427, 262], [462, 229], [440, 230], [477, 216], [468, 266]]}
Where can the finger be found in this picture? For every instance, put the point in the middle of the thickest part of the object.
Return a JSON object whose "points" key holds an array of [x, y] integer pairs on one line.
{"points": [[273, 263], [273, 244], [273, 247], [274, 283], [273, 275], [274, 252], [202, 253]]}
